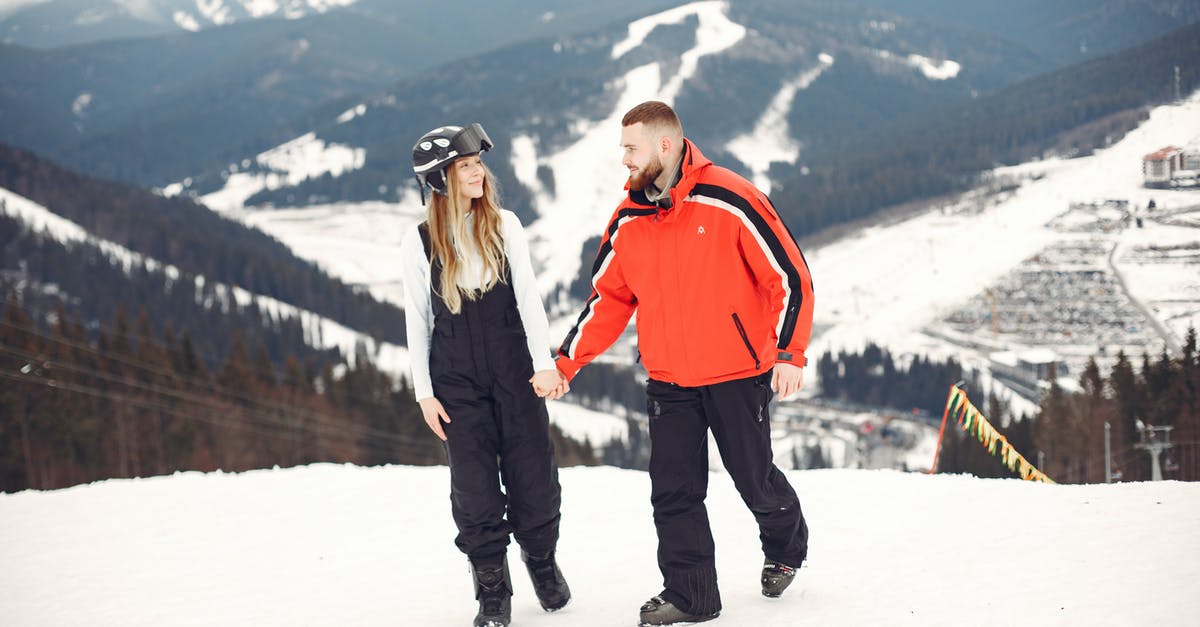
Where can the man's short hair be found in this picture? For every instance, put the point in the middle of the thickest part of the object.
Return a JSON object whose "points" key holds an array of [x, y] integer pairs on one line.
{"points": [[654, 114]]}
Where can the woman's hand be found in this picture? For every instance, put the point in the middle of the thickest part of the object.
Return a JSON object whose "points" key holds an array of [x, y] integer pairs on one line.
{"points": [[434, 414], [549, 384]]}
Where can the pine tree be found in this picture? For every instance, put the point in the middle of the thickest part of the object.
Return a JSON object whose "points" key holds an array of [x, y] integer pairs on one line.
{"points": [[1052, 431], [1093, 409], [124, 435], [1127, 395], [18, 398], [156, 383], [179, 428]]}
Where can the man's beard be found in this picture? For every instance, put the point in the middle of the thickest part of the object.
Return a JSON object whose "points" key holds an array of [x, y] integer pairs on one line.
{"points": [[645, 176]]}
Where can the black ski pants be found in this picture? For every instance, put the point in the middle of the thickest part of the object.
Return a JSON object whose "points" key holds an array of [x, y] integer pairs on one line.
{"points": [[737, 413], [498, 431]]}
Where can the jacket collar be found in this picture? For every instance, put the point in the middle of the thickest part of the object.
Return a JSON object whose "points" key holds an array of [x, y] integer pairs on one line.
{"points": [[693, 163]]}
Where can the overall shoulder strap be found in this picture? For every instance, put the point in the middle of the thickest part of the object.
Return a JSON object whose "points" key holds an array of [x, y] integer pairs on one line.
{"points": [[423, 228]]}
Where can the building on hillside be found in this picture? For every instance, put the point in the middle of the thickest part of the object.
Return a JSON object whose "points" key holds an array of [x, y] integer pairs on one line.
{"points": [[1172, 166], [1027, 372]]}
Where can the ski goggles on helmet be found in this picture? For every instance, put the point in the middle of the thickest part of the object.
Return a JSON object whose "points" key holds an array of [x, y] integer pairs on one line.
{"points": [[471, 140], [437, 148]]}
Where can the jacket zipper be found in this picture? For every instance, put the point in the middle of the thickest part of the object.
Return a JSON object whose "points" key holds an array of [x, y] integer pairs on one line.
{"points": [[746, 340]]}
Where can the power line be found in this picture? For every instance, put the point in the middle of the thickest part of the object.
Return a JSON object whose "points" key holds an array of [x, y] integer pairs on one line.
{"points": [[130, 333], [123, 398], [259, 407], [408, 447], [157, 370]]}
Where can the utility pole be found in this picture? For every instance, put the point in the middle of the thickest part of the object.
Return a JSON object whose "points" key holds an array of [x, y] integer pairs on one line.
{"points": [[1107, 452], [1155, 445], [1178, 94], [992, 305]]}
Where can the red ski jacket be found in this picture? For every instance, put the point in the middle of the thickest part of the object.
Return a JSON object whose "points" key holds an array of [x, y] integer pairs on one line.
{"points": [[721, 290]]}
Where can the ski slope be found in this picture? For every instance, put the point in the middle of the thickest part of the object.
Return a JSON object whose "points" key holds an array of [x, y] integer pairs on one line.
{"points": [[331, 546]]}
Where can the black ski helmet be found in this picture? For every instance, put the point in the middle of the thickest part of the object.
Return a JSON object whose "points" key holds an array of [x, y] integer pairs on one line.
{"points": [[437, 148]]}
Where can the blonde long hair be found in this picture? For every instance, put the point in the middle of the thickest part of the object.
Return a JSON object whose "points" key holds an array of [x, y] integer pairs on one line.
{"points": [[448, 227]]}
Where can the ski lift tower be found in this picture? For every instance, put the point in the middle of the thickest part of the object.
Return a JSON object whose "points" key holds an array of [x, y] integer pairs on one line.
{"points": [[1155, 440]]}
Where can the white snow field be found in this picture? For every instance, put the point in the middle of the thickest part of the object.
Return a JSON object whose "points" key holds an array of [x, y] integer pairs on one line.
{"points": [[333, 546]]}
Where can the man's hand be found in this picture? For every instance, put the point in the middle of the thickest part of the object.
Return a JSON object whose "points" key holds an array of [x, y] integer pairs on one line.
{"points": [[434, 414], [550, 384], [787, 379]]}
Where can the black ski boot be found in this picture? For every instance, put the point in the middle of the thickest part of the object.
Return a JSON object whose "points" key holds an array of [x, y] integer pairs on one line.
{"points": [[493, 589], [552, 590], [658, 611], [776, 577]]}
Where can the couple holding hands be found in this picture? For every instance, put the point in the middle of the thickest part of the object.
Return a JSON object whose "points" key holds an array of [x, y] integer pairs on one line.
{"points": [[724, 302]]}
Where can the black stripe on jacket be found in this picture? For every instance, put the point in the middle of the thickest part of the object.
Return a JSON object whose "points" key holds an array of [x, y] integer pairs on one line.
{"points": [[601, 255], [796, 299]]}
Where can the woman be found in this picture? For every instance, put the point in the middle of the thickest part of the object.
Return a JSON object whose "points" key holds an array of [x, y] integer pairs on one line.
{"points": [[479, 338]]}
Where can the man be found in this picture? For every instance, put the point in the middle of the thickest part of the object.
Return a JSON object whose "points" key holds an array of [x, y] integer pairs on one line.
{"points": [[724, 311]]}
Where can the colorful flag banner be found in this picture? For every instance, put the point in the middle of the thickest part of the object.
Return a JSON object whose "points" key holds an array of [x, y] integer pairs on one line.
{"points": [[973, 422]]}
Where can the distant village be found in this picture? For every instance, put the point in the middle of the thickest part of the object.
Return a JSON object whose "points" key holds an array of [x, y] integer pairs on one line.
{"points": [[1045, 319], [1068, 301]]}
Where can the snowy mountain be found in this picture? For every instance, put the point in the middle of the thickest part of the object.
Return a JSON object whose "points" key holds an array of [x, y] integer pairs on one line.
{"points": [[125, 108], [161, 106], [571, 188], [329, 545], [49, 23], [55, 23], [737, 73], [744, 78]]}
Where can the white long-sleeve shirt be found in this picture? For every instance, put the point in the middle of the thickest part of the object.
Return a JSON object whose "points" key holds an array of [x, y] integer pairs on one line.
{"points": [[418, 309]]}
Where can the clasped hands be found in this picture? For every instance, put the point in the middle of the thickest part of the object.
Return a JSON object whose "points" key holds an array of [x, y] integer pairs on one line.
{"points": [[550, 384]]}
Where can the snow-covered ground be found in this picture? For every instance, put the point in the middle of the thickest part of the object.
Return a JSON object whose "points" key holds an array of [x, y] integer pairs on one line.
{"points": [[329, 546], [932, 69], [580, 423], [770, 142], [357, 242], [288, 164]]}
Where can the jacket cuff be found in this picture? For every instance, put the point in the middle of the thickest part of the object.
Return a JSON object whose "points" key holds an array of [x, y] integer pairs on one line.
{"points": [[788, 357], [568, 367]]}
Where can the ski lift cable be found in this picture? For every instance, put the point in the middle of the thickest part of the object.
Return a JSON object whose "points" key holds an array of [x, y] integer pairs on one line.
{"points": [[157, 370], [278, 433], [319, 420]]}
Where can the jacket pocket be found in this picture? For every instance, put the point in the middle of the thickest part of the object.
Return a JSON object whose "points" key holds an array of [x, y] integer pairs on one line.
{"points": [[737, 322], [762, 385]]}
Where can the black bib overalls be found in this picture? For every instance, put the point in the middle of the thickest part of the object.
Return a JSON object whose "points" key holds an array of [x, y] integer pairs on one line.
{"points": [[499, 428]]}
